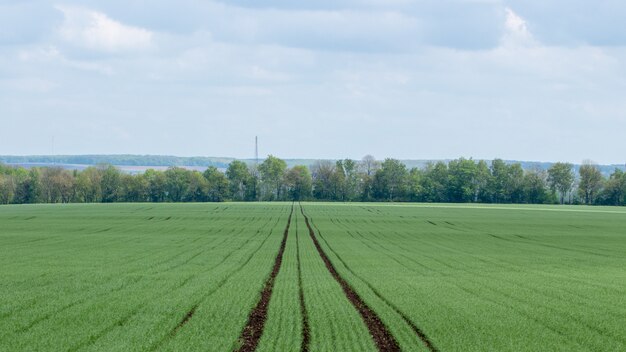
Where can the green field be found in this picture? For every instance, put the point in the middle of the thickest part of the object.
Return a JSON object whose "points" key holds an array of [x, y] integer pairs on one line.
{"points": [[187, 277]]}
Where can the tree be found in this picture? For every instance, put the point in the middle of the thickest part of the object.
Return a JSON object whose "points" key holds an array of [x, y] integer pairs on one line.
{"points": [[369, 165], [435, 182], [299, 184], [134, 188], [272, 171], [615, 191], [217, 184], [176, 184], [414, 185], [515, 183], [57, 185], [338, 182], [534, 187], [65, 184], [590, 182], [390, 181], [7, 189], [197, 187], [156, 181], [239, 178], [499, 181], [110, 183], [29, 188], [462, 180], [89, 185], [481, 181], [322, 174], [351, 182], [561, 179]]}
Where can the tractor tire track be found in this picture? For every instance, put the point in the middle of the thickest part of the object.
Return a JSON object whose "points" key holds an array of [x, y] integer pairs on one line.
{"points": [[503, 295], [208, 294], [306, 331], [252, 332], [419, 332], [382, 337], [189, 313]]}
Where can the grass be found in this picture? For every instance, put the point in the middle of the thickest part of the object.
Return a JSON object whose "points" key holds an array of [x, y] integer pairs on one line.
{"points": [[141, 277]]}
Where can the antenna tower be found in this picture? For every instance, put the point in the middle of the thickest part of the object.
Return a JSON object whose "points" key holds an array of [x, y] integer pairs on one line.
{"points": [[256, 150]]}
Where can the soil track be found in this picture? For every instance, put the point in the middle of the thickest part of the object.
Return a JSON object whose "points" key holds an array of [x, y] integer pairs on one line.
{"points": [[383, 338], [252, 332], [422, 336], [306, 334]]}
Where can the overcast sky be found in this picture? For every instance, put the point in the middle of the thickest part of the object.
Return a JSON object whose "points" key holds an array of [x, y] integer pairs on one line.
{"points": [[526, 79]]}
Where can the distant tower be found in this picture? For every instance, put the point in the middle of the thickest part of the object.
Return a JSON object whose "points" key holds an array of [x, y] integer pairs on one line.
{"points": [[256, 150]]}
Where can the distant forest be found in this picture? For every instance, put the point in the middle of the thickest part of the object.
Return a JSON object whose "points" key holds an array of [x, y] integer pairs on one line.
{"points": [[455, 181]]}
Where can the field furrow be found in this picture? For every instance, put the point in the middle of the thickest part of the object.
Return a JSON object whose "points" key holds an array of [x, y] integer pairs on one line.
{"points": [[383, 339], [314, 277]]}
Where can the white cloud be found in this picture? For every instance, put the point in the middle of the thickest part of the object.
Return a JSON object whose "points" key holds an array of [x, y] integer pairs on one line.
{"points": [[95, 30], [516, 30]]}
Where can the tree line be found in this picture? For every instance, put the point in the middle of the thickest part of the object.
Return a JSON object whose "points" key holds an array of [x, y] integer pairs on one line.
{"points": [[457, 181]]}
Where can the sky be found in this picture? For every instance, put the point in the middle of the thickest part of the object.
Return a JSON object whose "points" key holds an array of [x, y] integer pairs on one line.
{"points": [[427, 79]]}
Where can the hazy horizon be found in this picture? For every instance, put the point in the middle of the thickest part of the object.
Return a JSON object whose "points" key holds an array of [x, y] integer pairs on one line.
{"points": [[421, 80], [262, 157]]}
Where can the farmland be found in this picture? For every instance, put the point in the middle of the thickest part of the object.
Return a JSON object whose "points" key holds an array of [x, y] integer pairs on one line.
{"points": [[312, 277]]}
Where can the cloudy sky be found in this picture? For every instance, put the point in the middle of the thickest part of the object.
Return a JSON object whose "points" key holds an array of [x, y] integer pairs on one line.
{"points": [[426, 79]]}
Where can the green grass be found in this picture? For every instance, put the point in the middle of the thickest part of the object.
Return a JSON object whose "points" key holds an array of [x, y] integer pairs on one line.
{"points": [[123, 277]]}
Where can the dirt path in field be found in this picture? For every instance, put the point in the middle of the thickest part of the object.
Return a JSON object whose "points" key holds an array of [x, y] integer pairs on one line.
{"points": [[383, 338], [418, 332], [306, 337], [252, 332]]}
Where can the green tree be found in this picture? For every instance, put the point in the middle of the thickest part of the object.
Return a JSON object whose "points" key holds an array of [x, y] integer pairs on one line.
{"points": [[615, 191], [299, 183], [239, 178], [351, 182], [272, 171], [197, 187], [435, 182], [338, 182], [89, 185], [414, 185], [590, 182], [217, 184], [561, 179], [110, 183], [176, 184], [391, 180], [499, 181], [323, 176], [134, 188], [534, 187], [29, 188], [7, 188], [515, 183], [156, 190], [462, 183], [482, 179]]}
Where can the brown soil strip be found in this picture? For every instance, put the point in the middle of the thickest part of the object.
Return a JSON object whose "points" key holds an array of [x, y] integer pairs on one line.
{"points": [[252, 332], [383, 338], [306, 332], [422, 336], [217, 287], [184, 320]]}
